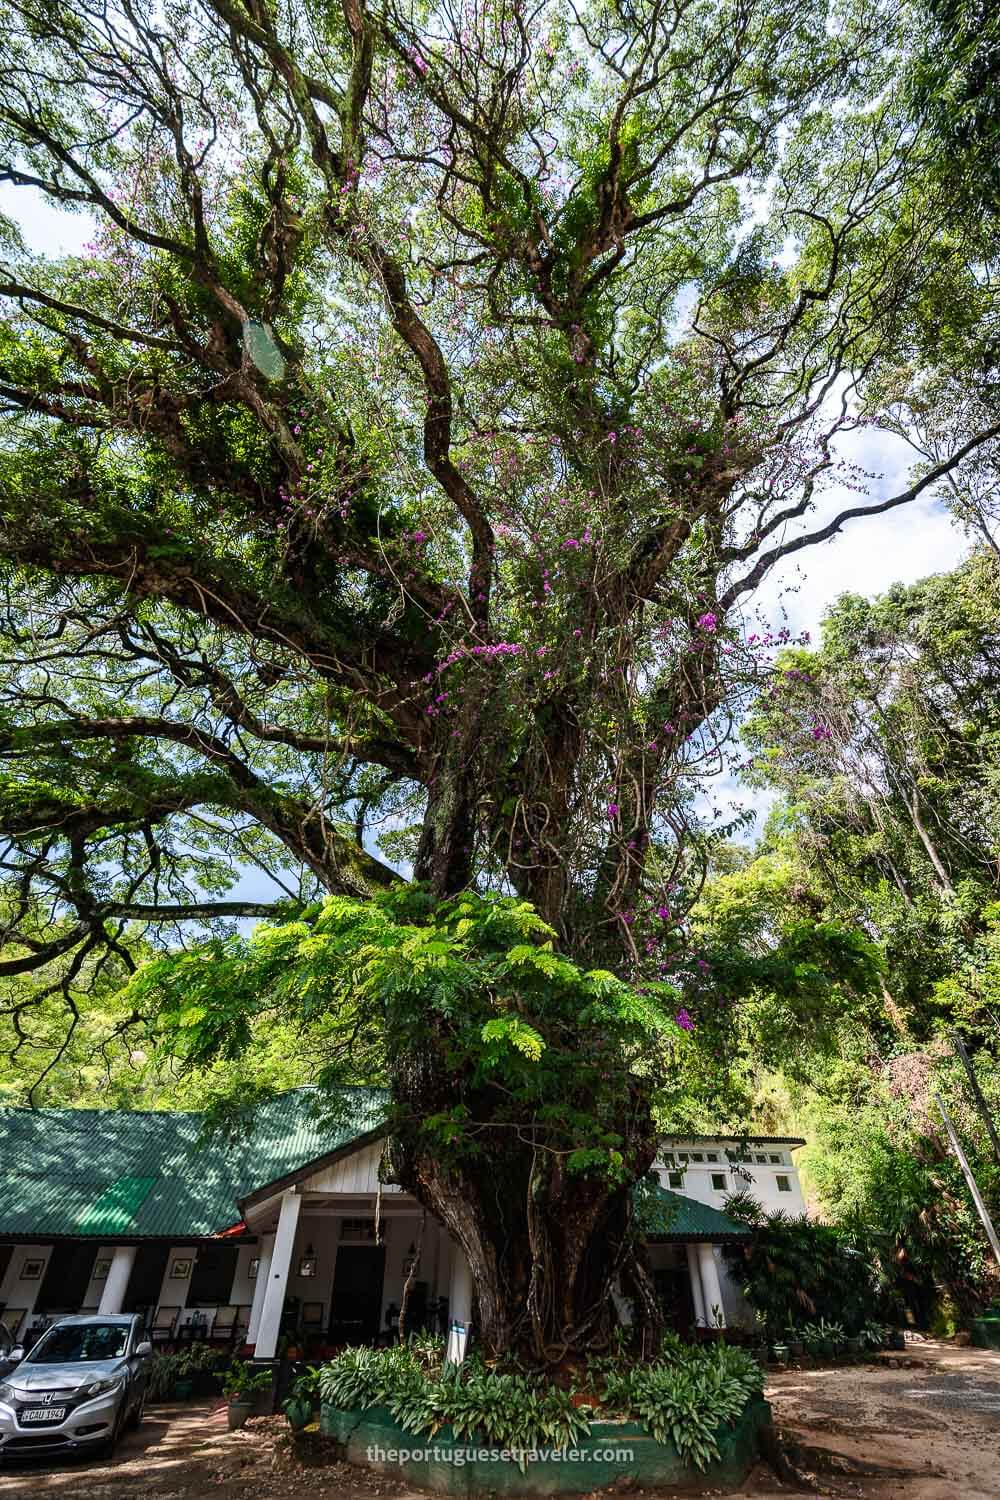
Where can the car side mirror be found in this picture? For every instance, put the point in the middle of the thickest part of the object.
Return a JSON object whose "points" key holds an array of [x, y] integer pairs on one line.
{"points": [[16, 1354], [144, 1348]]}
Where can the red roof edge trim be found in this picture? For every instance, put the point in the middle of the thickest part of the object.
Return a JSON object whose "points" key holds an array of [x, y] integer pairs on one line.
{"points": [[234, 1229]]}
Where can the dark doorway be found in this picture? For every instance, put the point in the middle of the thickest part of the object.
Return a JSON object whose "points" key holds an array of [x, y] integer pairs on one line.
{"points": [[66, 1279], [213, 1276], [673, 1285], [143, 1290], [356, 1302]]}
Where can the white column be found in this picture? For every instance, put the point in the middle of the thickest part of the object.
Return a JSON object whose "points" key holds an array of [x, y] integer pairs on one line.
{"points": [[174, 1289], [715, 1314], [265, 1249], [17, 1291], [696, 1296], [116, 1284], [277, 1278], [459, 1307]]}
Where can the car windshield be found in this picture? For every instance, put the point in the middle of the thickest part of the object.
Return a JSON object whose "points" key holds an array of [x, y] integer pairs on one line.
{"points": [[76, 1343]]}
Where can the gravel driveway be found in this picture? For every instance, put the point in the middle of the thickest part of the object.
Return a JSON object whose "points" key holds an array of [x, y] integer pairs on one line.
{"points": [[921, 1427], [932, 1416]]}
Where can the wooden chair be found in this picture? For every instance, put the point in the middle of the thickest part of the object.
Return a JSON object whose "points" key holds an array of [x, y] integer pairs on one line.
{"points": [[38, 1325], [12, 1318], [161, 1330], [224, 1324]]}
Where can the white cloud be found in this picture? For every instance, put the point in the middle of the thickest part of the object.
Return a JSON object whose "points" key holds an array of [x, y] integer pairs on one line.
{"points": [[47, 228], [871, 553], [867, 557]]}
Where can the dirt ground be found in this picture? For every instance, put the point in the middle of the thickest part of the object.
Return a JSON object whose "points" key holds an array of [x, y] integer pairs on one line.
{"points": [[924, 1426], [935, 1422]]}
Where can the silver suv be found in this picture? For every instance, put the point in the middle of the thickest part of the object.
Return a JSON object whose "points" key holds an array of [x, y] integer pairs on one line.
{"points": [[81, 1385]]}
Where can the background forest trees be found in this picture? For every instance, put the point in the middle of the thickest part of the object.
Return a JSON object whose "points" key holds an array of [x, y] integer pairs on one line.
{"points": [[884, 748]]}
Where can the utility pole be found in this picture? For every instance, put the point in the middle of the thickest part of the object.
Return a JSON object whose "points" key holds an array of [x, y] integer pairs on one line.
{"points": [[977, 1093], [977, 1197]]}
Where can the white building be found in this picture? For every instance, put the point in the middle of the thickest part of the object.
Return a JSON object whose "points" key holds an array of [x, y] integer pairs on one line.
{"points": [[286, 1235]]}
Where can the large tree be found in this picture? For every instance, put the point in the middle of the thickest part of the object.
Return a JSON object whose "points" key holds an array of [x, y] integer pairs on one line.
{"points": [[390, 476]]}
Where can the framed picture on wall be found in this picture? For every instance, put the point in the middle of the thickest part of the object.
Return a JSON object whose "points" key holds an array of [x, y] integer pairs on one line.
{"points": [[101, 1269], [253, 1268], [180, 1269], [31, 1270], [307, 1265]]}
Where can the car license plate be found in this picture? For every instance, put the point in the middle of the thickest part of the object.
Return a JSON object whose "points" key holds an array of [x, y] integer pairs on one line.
{"points": [[42, 1414]]}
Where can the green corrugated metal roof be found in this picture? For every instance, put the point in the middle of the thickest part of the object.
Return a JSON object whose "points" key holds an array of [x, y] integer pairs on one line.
{"points": [[112, 1172], [116, 1208], [664, 1215]]}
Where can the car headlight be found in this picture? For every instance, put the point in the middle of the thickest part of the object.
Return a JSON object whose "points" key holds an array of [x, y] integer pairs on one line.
{"points": [[7, 1392], [99, 1387]]}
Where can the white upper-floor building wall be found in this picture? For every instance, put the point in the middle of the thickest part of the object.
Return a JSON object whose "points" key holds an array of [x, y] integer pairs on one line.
{"points": [[711, 1169]]}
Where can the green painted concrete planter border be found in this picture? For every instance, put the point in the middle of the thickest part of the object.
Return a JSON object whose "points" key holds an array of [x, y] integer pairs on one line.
{"points": [[369, 1437], [986, 1332]]}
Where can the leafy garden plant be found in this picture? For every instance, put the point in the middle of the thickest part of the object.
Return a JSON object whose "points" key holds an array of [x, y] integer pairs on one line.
{"points": [[822, 1336], [242, 1382], [683, 1398]]}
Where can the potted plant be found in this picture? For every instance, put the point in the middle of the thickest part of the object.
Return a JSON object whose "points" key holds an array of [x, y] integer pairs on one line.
{"points": [[796, 1347], [299, 1406], [836, 1338], [854, 1344], [873, 1336], [240, 1387], [200, 1366], [781, 1353], [184, 1376]]}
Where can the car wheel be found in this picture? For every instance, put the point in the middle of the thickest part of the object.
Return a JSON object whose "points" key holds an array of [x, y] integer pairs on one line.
{"points": [[138, 1412], [107, 1448]]}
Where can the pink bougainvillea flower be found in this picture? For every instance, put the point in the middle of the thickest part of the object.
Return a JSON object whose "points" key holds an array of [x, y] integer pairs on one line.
{"points": [[683, 1020]]}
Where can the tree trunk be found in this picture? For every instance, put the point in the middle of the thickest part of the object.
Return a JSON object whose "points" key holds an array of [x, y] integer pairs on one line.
{"points": [[932, 854], [545, 1246]]}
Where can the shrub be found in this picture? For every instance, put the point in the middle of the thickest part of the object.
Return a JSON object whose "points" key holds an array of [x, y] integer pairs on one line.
{"points": [[684, 1397], [162, 1371], [796, 1270]]}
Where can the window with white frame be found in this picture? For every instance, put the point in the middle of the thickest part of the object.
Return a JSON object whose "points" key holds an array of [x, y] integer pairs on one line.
{"points": [[675, 1179], [784, 1183], [719, 1181]]}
